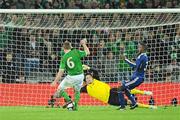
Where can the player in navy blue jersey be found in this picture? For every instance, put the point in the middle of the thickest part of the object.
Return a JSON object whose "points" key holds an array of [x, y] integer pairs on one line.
{"points": [[137, 78]]}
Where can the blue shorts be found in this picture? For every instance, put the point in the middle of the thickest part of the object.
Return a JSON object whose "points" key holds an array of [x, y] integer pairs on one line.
{"points": [[134, 82]]}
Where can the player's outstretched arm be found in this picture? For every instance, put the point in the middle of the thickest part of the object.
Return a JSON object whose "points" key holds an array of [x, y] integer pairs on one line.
{"points": [[58, 77], [85, 67], [123, 57], [86, 49], [93, 70], [132, 64]]}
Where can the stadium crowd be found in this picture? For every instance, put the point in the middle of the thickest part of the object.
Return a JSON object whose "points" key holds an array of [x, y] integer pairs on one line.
{"points": [[88, 4], [26, 52], [30, 45]]}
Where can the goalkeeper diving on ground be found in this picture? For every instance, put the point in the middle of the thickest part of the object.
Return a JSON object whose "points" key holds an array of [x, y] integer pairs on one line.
{"points": [[103, 92]]}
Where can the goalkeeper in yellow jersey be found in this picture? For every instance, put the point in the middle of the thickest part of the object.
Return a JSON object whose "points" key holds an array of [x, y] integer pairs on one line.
{"points": [[103, 92]]}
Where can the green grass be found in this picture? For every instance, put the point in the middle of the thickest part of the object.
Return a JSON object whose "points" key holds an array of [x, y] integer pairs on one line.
{"points": [[88, 113]]}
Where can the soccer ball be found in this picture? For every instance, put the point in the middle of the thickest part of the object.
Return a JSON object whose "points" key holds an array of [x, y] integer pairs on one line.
{"points": [[70, 106]]}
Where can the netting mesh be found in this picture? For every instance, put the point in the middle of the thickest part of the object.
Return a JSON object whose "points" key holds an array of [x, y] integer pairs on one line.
{"points": [[30, 45], [90, 21]]}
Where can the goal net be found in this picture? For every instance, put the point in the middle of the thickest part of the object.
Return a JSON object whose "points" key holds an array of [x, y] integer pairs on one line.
{"points": [[31, 50]]}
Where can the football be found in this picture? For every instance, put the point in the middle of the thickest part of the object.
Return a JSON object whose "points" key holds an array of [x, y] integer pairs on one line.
{"points": [[70, 106]]}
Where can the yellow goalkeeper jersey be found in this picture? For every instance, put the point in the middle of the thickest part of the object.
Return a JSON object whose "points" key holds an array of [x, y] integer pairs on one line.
{"points": [[99, 90]]}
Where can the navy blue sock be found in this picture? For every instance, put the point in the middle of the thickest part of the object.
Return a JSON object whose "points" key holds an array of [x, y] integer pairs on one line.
{"points": [[130, 96], [121, 99]]}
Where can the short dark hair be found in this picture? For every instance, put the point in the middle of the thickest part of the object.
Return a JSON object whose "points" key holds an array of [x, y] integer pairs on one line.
{"points": [[88, 73], [67, 45], [143, 44]]}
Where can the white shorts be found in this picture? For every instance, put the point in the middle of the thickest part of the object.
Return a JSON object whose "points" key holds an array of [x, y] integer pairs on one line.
{"points": [[75, 82]]}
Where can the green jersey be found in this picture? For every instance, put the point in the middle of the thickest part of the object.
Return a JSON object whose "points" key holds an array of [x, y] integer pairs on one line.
{"points": [[71, 62]]}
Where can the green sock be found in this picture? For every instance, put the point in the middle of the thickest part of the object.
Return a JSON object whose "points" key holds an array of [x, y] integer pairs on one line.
{"points": [[77, 98], [65, 95]]}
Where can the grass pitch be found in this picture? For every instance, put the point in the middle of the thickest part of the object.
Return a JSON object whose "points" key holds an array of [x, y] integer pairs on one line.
{"points": [[88, 113]]}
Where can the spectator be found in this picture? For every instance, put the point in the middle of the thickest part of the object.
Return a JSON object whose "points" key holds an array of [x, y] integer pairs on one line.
{"points": [[3, 38], [137, 36], [107, 6], [32, 55], [55, 41], [130, 4], [94, 4], [101, 50], [5, 4], [79, 4], [124, 69], [13, 20], [20, 4], [48, 44], [8, 68], [46, 52], [157, 4], [13, 5], [172, 71], [149, 4], [59, 4], [88, 4], [47, 4], [169, 4], [176, 3], [20, 37], [130, 46], [114, 4], [38, 4], [52, 64], [30, 4], [122, 5], [139, 4], [151, 43], [95, 39], [177, 44], [110, 67], [157, 71], [173, 55], [118, 42], [72, 5], [111, 44], [165, 49], [21, 78]]}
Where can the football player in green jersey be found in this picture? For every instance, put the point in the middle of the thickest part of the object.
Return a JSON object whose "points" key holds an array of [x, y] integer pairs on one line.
{"points": [[71, 63]]}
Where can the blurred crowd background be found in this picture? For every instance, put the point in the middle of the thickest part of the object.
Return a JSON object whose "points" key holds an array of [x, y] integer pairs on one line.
{"points": [[30, 46], [88, 4]]}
